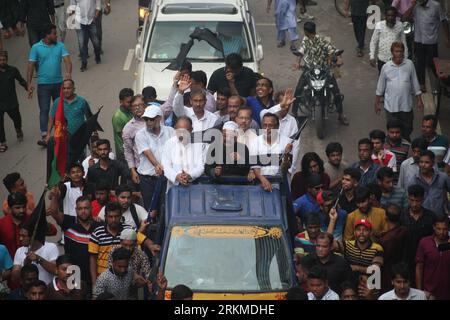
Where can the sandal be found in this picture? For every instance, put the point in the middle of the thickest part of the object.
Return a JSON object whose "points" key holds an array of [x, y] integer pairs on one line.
{"points": [[3, 148]]}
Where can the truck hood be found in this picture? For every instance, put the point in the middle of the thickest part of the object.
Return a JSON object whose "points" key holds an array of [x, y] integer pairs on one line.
{"points": [[152, 74]]}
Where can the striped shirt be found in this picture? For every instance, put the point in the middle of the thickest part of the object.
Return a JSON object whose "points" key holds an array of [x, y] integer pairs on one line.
{"points": [[400, 149], [355, 256], [101, 243]]}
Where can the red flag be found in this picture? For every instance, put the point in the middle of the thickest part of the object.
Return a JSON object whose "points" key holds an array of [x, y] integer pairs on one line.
{"points": [[58, 167]]}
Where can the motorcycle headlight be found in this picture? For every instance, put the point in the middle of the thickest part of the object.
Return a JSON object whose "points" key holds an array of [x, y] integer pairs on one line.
{"points": [[318, 84], [407, 27], [316, 72]]}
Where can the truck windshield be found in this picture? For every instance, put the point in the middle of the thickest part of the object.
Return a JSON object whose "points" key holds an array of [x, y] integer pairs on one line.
{"points": [[228, 258], [167, 37]]}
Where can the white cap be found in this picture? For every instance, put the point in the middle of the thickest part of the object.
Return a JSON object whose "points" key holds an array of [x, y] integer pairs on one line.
{"points": [[152, 112], [128, 234], [230, 125]]}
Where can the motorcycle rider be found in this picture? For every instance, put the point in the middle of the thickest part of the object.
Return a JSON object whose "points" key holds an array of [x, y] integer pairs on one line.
{"points": [[318, 52]]}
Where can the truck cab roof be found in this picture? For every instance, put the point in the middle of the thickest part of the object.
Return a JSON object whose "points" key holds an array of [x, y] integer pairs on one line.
{"points": [[227, 204]]}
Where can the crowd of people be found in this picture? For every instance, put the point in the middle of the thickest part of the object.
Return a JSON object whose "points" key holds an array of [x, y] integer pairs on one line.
{"points": [[387, 213]]}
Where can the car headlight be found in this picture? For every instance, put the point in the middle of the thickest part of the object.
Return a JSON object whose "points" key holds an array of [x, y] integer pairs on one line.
{"points": [[143, 12], [318, 84]]}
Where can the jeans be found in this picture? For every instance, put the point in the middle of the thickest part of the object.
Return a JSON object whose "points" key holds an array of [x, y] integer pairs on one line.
{"points": [[147, 185], [359, 27], [98, 23], [293, 35], [46, 94], [84, 34], [380, 65], [14, 114], [34, 35], [302, 82], [424, 58]]}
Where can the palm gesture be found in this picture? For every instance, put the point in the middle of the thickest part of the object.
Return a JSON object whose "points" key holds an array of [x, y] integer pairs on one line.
{"points": [[185, 83], [287, 99]]}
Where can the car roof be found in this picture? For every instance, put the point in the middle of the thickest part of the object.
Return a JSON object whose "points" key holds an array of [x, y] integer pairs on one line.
{"points": [[223, 204]]}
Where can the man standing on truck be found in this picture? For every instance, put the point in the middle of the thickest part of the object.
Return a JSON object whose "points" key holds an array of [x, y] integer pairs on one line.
{"points": [[270, 143]]}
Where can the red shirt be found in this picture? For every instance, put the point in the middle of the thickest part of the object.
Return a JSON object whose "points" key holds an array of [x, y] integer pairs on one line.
{"points": [[9, 233], [96, 207], [436, 266]]}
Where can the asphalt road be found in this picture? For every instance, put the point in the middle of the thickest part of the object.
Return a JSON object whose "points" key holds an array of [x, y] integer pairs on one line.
{"points": [[100, 85]]}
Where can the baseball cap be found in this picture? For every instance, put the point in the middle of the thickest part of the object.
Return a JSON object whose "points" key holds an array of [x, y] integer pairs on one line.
{"points": [[324, 196], [128, 234], [152, 112], [363, 222]]}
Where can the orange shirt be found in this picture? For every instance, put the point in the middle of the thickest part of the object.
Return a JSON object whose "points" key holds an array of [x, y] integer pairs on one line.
{"points": [[30, 205]]}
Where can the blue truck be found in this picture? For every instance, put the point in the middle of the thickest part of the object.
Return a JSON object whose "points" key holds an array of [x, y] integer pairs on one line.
{"points": [[228, 241]]}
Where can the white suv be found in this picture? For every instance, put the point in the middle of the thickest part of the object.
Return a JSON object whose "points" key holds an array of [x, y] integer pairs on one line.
{"points": [[169, 24]]}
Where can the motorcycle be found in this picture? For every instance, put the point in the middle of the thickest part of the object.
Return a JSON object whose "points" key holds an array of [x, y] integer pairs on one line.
{"points": [[317, 100]]}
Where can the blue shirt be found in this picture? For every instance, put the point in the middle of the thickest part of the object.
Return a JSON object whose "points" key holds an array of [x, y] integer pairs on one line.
{"points": [[6, 262], [73, 112], [48, 59], [305, 205], [370, 176], [257, 107], [338, 227]]}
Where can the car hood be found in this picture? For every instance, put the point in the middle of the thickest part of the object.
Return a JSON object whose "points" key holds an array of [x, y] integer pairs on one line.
{"points": [[153, 74]]}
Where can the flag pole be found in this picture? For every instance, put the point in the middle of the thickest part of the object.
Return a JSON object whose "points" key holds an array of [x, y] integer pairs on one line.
{"points": [[33, 235]]}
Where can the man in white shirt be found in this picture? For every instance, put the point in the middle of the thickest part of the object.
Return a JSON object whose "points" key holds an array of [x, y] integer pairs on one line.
{"points": [[89, 12], [42, 254], [182, 160], [150, 141], [318, 285], [132, 214], [201, 119], [385, 34], [270, 148], [401, 284], [288, 124]]}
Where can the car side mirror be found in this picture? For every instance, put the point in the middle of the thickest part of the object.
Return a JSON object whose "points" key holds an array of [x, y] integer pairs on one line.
{"points": [[138, 52], [259, 52]]}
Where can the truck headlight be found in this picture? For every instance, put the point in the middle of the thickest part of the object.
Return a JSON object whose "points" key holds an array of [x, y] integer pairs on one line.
{"points": [[143, 12]]}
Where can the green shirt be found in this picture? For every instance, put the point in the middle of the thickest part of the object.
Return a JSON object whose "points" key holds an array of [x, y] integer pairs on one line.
{"points": [[119, 120], [74, 112]]}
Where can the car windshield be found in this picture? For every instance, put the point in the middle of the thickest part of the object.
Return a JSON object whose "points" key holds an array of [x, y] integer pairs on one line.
{"points": [[168, 36], [228, 258]]}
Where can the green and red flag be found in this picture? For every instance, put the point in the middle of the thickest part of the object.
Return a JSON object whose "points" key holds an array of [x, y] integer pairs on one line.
{"points": [[59, 161]]}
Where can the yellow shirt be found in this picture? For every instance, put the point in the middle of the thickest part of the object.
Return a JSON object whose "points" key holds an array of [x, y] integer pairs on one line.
{"points": [[377, 218]]}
